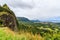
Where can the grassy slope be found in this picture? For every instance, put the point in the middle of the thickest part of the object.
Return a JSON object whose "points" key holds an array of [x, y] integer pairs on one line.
{"points": [[7, 34]]}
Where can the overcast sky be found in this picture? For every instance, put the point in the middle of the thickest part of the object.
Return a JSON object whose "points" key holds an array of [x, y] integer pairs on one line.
{"points": [[34, 9]]}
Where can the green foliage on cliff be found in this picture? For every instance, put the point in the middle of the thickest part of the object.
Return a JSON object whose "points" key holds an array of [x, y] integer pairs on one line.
{"points": [[5, 10]]}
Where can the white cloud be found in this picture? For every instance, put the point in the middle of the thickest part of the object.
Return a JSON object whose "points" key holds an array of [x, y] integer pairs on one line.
{"points": [[34, 9]]}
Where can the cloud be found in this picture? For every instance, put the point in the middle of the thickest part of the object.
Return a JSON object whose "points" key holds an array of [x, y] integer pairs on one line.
{"points": [[34, 9], [21, 4]]}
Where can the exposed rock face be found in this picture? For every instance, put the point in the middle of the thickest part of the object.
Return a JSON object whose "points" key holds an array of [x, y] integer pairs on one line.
{"points": [[8, 18]]}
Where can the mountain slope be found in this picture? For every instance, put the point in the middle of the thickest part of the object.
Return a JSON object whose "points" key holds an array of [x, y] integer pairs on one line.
{"points": [[23, 19], [8, 18], [35, 20]]}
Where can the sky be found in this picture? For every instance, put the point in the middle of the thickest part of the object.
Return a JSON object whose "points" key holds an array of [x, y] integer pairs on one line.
{"points": [[34, 9]]}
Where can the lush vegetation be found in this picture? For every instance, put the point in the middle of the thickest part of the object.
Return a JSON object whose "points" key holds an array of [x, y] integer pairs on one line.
{"points": [[48, 30], [32, 31], [27, 29], [7, 34]]}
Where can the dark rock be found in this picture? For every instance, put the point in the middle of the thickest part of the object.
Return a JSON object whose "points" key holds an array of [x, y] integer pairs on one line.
{"points": [[8, 18]]}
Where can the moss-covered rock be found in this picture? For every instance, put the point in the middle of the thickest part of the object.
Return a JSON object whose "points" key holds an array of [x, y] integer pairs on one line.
{"points": [[8, 17]]}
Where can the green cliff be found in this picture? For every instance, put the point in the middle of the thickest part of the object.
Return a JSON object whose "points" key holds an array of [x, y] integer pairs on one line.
{"points": [[8, 18]]}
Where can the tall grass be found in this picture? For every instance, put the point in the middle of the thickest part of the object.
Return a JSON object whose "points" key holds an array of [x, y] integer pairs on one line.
{"points": [[7, 34]]}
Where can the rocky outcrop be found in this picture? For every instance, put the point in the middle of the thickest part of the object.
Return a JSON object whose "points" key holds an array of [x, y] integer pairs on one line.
{"points": [[8, 18]]}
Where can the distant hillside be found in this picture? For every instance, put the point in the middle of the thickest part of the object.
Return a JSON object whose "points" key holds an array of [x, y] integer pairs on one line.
{"points": [[35, 20], [23, 19], [26, 19]]}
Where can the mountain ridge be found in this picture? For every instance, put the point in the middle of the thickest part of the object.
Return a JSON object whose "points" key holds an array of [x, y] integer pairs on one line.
{"points": [[52, 19]]}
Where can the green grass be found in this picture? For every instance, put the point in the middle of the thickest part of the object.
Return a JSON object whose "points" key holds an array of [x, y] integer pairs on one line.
{"points": [[7, 35]]}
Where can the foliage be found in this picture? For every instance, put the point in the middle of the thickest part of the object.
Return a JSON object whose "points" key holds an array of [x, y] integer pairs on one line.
{"points": [[7, 34], [29, 30], [49, 31]]}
